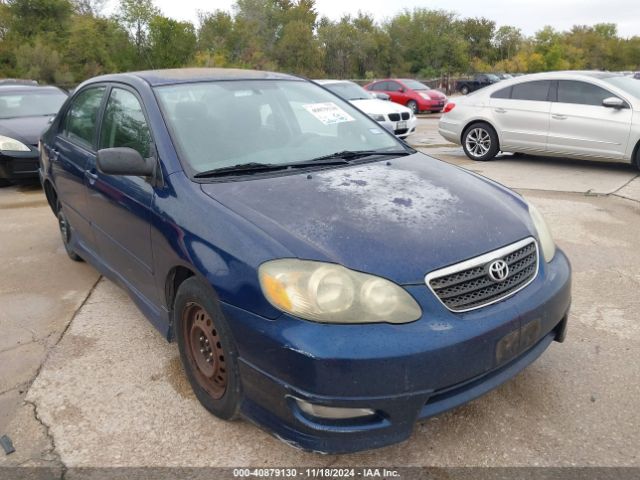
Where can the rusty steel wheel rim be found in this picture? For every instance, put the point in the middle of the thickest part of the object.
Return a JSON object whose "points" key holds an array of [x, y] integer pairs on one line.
{"points": [[204, 350]]}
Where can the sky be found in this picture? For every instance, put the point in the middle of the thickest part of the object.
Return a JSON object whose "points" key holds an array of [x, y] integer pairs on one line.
{"points": [[528, 15]]}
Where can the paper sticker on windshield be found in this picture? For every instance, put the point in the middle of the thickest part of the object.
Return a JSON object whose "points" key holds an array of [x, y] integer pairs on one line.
{"points": [[328, 113]]}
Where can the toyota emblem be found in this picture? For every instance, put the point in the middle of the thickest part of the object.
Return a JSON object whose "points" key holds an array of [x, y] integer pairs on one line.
{"points": [[498, 271]]}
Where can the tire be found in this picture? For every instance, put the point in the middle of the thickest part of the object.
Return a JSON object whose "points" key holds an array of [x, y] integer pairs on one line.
{"points": [[480, 142], [65, 233], [207, 349], [464, 90], [413, 105]]}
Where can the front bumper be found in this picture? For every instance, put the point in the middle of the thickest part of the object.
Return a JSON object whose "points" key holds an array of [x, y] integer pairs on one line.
{"points": [[402, 128], [19, 165], [404, 373], [433, 105]]}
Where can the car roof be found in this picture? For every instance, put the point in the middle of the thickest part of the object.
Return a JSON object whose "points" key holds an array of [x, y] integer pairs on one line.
{"points": [[190, 75]]}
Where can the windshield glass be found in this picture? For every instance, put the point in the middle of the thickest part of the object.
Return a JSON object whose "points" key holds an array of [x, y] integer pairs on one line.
{"points": [[30, 104], [493, 78], [226, 123], [348, 91], [414, 85], [628, 84]]}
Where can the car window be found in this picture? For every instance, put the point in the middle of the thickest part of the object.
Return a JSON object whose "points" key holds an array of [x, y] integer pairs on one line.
{"points": [[31, 103], [380, 86], [124, 123], [81, 117], [393, 86], [537, 91], [583, 93], [502, 93]]}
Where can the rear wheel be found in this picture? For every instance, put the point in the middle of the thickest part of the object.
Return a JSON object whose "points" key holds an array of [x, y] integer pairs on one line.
{"points": [[480, 142], [413, 105], [464, 90], [66, 234], [207, 350]]}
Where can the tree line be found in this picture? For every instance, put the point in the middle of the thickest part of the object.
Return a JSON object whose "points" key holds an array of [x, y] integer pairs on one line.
{"points": [[67, 41]]}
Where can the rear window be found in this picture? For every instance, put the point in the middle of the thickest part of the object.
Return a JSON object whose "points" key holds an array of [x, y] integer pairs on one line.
{"points": [[535, 91], [502, 93]]}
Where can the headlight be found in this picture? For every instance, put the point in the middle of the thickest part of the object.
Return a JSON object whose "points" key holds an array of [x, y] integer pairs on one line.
{"points": [[547, 244], [425, 96], [326, 292], [12, 145], [378, 118]]}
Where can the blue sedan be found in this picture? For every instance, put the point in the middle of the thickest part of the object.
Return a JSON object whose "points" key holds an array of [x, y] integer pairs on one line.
{"points": [[321, 278]]}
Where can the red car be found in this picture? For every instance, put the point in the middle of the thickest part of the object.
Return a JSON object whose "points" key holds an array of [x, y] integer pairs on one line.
{"points": [[415, 95]]}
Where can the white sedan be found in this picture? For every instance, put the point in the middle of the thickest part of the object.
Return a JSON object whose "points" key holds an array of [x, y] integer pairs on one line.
{"points": [[585, 115], [394, 117]]}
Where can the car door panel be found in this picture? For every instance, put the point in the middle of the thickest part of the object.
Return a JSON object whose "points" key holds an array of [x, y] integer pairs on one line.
{"points": [[71, 151], [121, 204], [581, 126], [522, 116]]}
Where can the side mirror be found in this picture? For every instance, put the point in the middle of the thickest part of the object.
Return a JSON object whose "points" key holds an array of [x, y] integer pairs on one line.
{"points": [[124, 161], [402, 90], [614, 102]]}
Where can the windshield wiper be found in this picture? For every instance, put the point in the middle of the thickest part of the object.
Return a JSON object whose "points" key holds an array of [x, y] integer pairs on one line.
{"points": [[254, 167], [353, 154]]}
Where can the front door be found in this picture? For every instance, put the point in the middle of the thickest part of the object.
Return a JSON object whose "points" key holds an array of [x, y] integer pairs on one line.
{"points": [[121, 204], [582, 126]]}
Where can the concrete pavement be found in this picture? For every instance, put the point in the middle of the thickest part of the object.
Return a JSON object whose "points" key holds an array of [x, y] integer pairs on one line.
{"points": [[112, 392]]}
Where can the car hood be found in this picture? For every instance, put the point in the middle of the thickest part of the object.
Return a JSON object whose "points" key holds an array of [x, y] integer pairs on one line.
{"points": [[24, 129], [398, 219], [379, 107]]}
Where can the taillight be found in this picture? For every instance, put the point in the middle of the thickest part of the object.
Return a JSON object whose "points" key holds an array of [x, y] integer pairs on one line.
{"points": [[448, 107]]}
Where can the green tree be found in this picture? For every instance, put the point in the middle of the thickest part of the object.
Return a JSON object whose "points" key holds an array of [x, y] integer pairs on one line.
{"points": [[508, 41], [478, 33], [136, 15], [171, 43], [30, 18]]}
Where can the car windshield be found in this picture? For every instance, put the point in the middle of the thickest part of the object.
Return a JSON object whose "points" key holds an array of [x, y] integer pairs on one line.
{"points": [[226, 123], [415, 85], [628, 84], [492, 77], [15, 104], [348, 91]]}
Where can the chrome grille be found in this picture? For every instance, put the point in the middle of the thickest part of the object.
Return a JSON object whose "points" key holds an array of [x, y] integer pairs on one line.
{"points": [[467, 285]]}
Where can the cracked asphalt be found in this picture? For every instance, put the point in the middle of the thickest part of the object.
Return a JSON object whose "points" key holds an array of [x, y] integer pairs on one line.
{"points": [[85, 380]]}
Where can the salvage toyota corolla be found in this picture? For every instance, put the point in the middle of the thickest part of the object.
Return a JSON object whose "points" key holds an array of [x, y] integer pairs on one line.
{"points": [[321, 278]]}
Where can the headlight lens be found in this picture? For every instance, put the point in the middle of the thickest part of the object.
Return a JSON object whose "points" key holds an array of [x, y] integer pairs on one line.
{"points": [[326, 292], [425, 96], [378, 118], [12, 145], [547, 244]]}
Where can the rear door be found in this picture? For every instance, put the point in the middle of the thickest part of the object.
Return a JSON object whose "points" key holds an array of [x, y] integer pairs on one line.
{"points": [[71, 149], [521, 114], [581, 125], [121, 205]]}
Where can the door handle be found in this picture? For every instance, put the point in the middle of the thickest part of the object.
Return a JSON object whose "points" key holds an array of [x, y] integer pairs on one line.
{"points": [[558, 116], [500, 110], [91, 175]]}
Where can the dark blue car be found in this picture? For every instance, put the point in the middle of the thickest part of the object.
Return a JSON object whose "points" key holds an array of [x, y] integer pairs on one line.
{"points": [[321, 278]]}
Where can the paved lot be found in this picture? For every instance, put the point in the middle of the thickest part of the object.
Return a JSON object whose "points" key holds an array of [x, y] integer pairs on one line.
{"points": [[111, 392]]}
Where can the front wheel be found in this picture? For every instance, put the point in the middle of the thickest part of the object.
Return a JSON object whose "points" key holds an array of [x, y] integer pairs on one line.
{"points": [[480, 142], [413, 105], [207, 349], [464, 90]]}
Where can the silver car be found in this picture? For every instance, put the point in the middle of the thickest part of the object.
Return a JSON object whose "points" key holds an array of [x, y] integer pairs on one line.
{"points": [[586, 115]]}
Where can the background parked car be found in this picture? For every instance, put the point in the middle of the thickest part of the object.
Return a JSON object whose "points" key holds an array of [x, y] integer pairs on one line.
{"points": [[411, 93], [636, 75], [25, 111], [395, 118], [588, 115], [480, 80]]}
